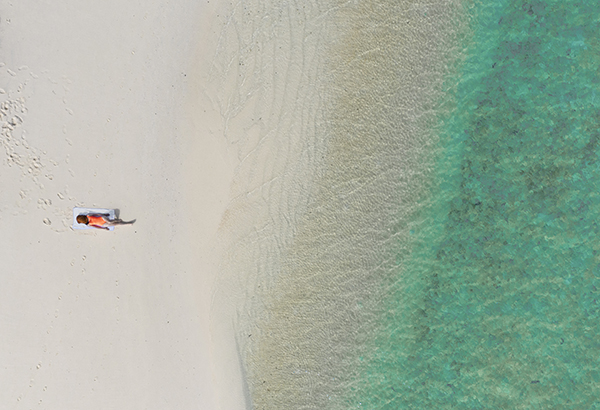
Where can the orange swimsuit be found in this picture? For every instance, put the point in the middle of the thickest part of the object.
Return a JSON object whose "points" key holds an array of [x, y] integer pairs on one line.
{"points": [[96, 220]]}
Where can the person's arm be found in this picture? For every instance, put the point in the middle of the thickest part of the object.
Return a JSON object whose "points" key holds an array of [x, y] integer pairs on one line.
{"points": [[99, 227]]}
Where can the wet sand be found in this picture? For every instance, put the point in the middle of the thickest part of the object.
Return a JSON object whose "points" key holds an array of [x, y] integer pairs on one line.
{"points": [[334, 114]]}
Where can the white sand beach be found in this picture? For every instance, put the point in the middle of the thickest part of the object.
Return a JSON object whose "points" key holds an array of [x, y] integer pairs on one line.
{"points": [[263, 148], [101, 106]]}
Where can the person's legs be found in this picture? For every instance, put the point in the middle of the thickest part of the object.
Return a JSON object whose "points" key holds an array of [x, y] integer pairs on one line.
{"points": [[115, 222]]}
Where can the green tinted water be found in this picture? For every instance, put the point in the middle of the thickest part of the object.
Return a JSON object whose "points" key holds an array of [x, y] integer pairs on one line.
{"points": [[497, 304], [385, 262]]}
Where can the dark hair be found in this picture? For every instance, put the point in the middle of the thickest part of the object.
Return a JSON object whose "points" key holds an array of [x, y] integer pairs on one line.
{"points": [[82, 219]]}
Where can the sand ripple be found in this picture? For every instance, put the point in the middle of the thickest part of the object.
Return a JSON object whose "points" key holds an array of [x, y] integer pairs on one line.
{"points": [[331, 108]]}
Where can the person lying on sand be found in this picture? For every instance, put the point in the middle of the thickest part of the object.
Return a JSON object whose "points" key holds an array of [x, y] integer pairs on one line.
{"points": [[101, 221]]}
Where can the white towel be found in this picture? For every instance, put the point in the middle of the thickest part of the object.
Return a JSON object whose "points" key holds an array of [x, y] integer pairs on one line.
{"points": [[91, 211]]}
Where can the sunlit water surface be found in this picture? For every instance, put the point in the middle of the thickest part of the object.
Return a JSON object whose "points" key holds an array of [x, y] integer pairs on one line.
{"points": [[415, 210]]}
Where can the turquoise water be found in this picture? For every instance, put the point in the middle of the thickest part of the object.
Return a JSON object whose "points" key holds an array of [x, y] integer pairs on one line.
{"points": [[497, 304], [416, 204]]}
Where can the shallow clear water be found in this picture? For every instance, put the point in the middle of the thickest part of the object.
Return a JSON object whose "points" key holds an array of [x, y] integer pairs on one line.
{"points": [[497, 304], [415, 207]]}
